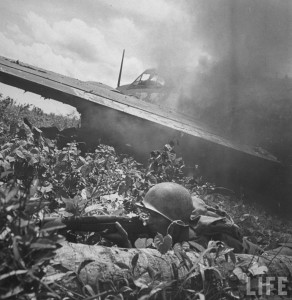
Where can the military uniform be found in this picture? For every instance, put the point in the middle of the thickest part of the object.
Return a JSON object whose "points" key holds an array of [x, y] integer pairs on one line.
{"points": [[199, 223]]}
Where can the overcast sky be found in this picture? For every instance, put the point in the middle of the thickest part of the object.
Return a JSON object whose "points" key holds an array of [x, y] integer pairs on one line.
{"points": [[85, 38]]}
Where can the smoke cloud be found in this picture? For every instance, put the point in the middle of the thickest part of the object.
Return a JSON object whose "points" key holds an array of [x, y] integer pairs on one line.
{"points": [[232, 62], [229, 60], [252, 37]]}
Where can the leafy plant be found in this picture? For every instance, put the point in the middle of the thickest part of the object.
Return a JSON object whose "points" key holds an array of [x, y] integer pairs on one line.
{"points": [[38, 179], [26, 249]]}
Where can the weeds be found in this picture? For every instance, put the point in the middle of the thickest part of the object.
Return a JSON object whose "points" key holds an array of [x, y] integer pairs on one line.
{"points": [[38, 180]]}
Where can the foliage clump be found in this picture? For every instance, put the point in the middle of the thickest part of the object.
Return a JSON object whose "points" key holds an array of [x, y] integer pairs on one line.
{"points": [[38, 180], [11, 113]]}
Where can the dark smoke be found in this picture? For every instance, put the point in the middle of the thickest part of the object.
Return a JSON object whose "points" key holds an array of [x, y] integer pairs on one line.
{"points": [[232, 62], [253, 35]]}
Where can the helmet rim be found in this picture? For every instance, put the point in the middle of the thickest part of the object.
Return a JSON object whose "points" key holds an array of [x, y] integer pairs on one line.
{"points": [[150, 207], [170, 200]]}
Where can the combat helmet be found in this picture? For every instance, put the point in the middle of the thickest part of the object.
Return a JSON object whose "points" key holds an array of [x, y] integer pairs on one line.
{"points": [[170, 200]]}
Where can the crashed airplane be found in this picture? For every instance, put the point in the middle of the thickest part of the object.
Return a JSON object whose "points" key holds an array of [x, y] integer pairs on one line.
{"points": [[138, 127], [149, 86]]}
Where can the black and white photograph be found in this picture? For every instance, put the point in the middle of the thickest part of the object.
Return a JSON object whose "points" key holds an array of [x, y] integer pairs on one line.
{"points": [[146, 149]]}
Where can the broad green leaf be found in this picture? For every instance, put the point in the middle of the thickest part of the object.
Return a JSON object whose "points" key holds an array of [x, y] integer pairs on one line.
{"points": [[43, 243], [142, 283], [135, 260], [85, 170], [53, 278], [163, 244], [94, 207], [11, 194], [122, 265], [240, 274], [4, 233], [125, 289], [83, 265], [255, 269], [82, 160], [33, 187], [5, 174], [197, 246], [13, 292], [151, 272], [19, 154], [16, 252], [143, 243], [33, 160], [46, 189], [34, 150], [10, 158]]}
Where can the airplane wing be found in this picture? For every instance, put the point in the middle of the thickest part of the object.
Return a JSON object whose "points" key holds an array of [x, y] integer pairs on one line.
{"points": [[74, 92]]}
